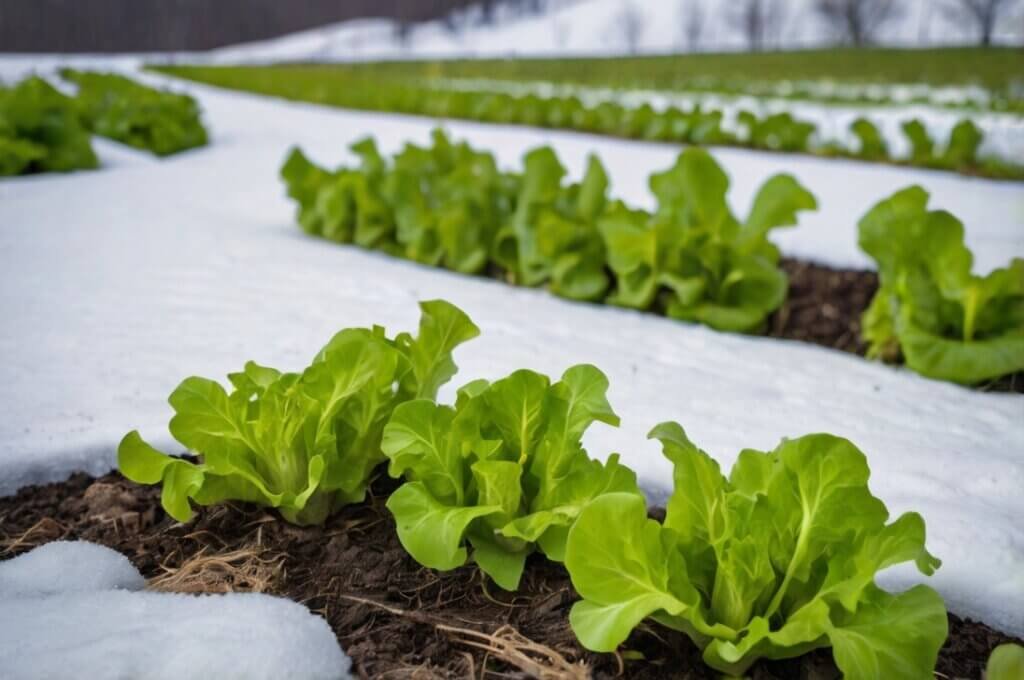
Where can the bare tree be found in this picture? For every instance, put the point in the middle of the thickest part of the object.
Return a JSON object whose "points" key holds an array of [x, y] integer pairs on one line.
{"points": [[857, 21], [758, 20], [982, 13], [691, 16], [631, 25]]}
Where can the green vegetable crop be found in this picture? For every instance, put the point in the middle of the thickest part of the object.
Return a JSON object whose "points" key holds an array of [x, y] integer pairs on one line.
{"points": [[770, 563], [947, 322], [1005, 663], [448, 205], [395, 87], [304, 443], [715, 270], [142, 117], [503, 471], [40, 131]]}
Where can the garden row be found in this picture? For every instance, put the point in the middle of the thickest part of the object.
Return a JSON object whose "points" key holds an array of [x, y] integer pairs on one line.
{"points": [[45, 130], [772, 561], [773, 132], [449, 205], [963, 78]]}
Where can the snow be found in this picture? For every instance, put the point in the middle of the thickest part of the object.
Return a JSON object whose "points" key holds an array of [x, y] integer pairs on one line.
{"points": [[116, 284], [596, 27], [77, 605], [44, 570]]}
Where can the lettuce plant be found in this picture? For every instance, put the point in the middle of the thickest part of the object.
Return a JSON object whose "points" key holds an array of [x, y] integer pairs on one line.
{"points": [[871, 143], [346, 205], [922, 146], [449, 201], [713, 269], [946, 322], [304, 443], [552, 235], [503, 472], [1005, 663], [964, 140], [780, 131], [143, 117], [772, 562], [40, 131]]}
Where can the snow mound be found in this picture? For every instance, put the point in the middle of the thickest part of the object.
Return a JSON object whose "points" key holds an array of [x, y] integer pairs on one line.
{"points": [[44, 571], [76, 626]]}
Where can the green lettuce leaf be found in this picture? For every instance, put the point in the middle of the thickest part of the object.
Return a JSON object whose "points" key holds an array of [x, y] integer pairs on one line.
{"points": [[769, 563], [503, 472], [1005, 663], [304, 443]]}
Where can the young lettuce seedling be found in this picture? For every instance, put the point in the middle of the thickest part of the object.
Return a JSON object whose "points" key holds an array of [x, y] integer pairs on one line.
{"points": [[504, 471], [304, 443], [947, 323], [772, 562]]}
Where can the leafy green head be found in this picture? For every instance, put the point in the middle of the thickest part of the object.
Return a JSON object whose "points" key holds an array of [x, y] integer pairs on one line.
{"points": [[773, 561], [694, 255], [502, 472], [304, 443], [947, 322]]}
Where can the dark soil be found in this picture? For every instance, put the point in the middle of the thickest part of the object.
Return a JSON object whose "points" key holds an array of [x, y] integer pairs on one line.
{"points": [[824, 305], [393, 617]]}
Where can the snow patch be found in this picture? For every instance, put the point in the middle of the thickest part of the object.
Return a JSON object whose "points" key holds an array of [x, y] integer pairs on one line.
{"points": [[45, 570], [66, 617], [599, 28]]}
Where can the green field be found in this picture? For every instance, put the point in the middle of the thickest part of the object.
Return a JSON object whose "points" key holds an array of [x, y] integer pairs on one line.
{"points": [[995, 68], [999, 70]]}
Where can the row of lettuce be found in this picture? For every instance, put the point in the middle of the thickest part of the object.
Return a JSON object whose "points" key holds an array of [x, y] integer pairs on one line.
{"points": [[348, 87], [772, 561], [449, 205], [44, 130]]}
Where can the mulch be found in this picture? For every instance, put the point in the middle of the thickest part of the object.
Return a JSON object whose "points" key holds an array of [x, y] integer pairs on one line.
{"points": [[394, 618]]}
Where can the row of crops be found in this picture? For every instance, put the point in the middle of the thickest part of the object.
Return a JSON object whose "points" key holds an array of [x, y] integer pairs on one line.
{"points": [[42, 129], [692, 258], [696, 125], [772, 561], [960, 78]]}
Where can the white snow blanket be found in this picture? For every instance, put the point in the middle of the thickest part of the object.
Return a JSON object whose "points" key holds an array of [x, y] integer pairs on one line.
{"points": [[614, 27], [116, 284], [74, 610]]}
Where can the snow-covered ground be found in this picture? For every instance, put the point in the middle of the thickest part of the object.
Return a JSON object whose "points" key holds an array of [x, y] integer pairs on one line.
{"points": [[116, 284], [611, 27], [74, 609]]}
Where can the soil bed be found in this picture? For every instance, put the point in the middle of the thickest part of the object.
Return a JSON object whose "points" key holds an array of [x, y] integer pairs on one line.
{"points": [[393, 617]]}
